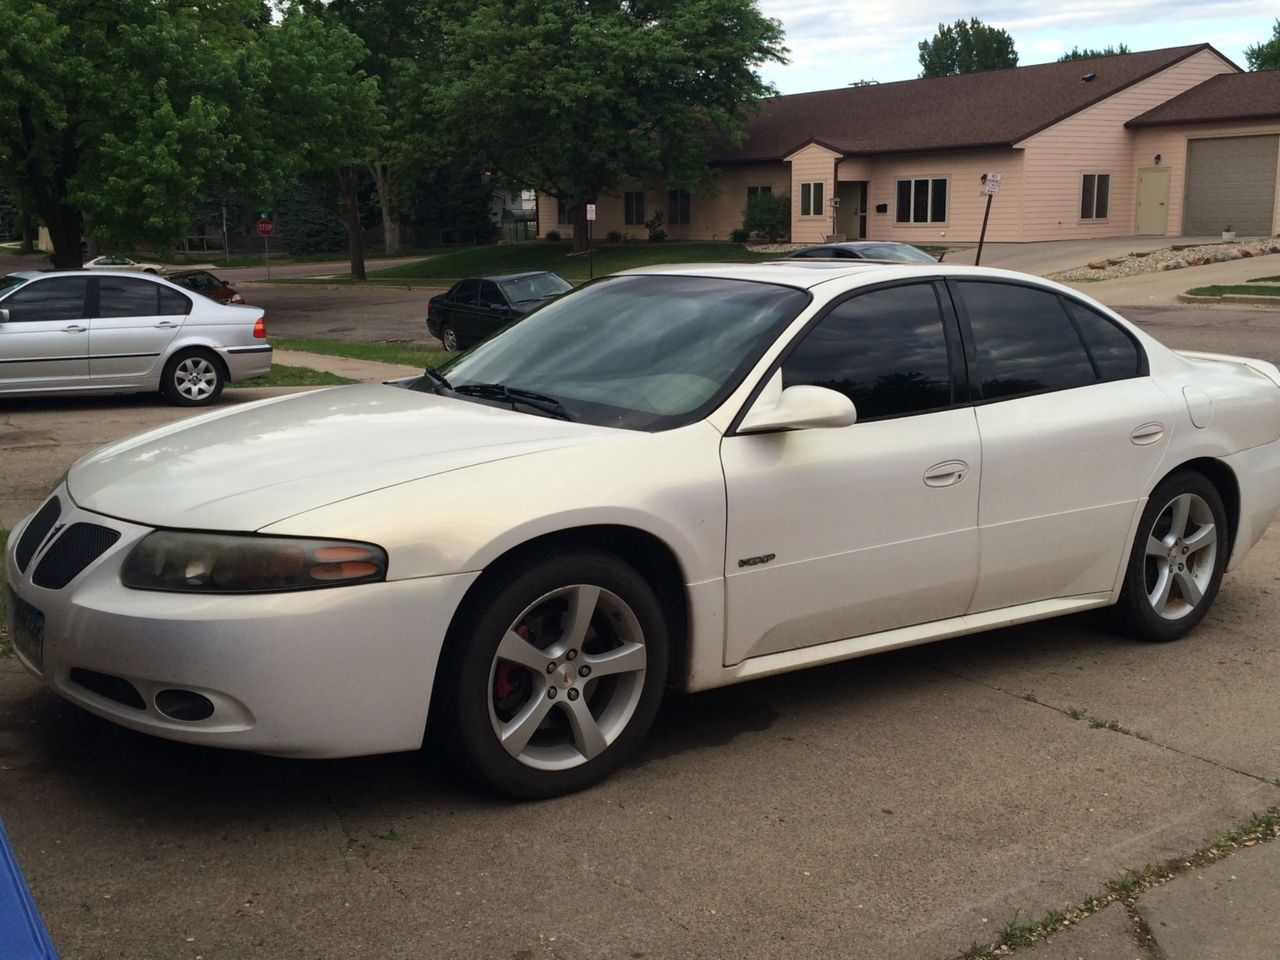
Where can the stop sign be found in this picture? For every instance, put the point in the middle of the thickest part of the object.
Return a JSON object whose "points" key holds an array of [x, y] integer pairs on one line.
{"points": [[266, 227]]}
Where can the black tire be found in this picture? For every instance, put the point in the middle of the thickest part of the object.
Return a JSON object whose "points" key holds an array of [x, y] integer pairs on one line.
{"points": [[193, 378], [480, 694], [449, 337], [1168, 567]]}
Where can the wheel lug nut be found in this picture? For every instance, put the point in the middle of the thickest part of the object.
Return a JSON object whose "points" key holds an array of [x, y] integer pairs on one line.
{"points": [[551, 667], [551, 693], [584, 671], [1184, 549], [573, 693], [571, 655]]}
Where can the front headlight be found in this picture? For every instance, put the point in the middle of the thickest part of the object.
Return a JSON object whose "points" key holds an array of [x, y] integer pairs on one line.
{"points": [[186, 562]]}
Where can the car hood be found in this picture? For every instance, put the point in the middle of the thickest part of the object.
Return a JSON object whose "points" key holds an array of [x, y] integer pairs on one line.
{"points": [[250, 466]]}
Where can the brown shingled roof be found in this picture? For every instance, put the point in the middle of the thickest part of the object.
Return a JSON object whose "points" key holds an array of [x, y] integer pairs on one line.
{"points": [[1228, 96], [992, 109]]}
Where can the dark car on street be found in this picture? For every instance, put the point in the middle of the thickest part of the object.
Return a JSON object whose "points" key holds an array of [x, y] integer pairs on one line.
{"points": [[202, 281], [864, 250], [477, 307]]}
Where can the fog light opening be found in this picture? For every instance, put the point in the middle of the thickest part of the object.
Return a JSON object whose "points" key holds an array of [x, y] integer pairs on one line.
{"points": [[185, 705]]}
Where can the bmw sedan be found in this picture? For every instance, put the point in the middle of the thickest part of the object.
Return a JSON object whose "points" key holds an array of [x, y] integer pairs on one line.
{"points": [[675, 477], [74, 332]]}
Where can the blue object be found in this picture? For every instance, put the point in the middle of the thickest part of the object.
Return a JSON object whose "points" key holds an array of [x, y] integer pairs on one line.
{"points": [[22, 933]]}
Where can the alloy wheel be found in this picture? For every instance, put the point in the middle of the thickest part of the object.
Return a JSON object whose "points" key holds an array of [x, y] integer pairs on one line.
{"points": [[195, 378], [1181, 556]]}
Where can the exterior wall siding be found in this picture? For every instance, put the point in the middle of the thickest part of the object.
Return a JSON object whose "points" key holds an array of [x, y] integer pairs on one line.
{"points": [[812, 164], [1096, 141], [1171, 144], [966, 200]]}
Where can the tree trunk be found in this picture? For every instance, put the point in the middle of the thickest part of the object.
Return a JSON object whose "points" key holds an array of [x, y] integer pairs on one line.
{"points": [[347, 180], [390, 222], [66, 228], [581, 229], [30, 231]]}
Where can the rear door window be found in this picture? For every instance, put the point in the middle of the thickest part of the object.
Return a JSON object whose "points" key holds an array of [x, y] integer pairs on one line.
{"points": [[127, 297]]}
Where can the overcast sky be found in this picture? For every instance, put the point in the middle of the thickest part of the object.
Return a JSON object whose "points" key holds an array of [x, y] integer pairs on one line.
{"points": [[836, 42]]}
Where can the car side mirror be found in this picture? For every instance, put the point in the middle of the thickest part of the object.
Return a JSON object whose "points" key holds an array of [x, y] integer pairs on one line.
{"points": [[225, 283], [801, 407], [497, 308]]}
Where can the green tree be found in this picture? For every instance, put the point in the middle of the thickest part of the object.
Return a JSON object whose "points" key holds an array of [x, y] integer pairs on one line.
{"points": [[121, 113], [1266, 55], [576, 97], [1110, 50], [967, 46]]}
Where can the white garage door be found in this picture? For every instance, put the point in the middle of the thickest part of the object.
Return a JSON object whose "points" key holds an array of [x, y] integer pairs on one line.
{"points": [[1231, 181]]}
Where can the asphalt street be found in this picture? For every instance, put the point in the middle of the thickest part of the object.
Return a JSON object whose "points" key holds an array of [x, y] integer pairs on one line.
{"points": [[905, 805]]}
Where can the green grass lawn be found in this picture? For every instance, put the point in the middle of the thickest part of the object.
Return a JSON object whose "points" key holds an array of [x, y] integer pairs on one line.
{"points": [[6, 648], [1265, 280], [404, 353], [286, 376], [559, 257], [1244, 289]]}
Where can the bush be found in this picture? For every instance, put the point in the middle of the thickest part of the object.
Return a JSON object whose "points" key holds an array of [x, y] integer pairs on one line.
{"points": [[553, 236], [741, 235], [768, 216], [614, 236], [654, 226]]}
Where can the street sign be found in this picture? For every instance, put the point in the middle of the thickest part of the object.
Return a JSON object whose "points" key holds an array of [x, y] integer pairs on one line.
{"points": [[591, 211], [266, 227], [991, 184]]}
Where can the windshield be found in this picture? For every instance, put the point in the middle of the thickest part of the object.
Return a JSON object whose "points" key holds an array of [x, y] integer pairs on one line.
{"points": [[540, 286], [643, 352], [9, 282]]}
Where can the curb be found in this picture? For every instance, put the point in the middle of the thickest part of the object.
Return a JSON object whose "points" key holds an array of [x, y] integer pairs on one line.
{"points": [[1231, 298]]}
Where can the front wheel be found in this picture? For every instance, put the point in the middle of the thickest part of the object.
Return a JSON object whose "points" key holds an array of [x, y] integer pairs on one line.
{"points": [[554, 673], [192, 378], [1177, 560]]}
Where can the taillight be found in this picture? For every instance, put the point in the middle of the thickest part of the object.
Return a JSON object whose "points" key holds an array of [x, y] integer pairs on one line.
{"points": [[260, 329]]}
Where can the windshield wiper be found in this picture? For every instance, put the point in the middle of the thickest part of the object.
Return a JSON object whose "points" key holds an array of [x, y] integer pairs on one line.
{"points": [[437, 380], [514, 395]]}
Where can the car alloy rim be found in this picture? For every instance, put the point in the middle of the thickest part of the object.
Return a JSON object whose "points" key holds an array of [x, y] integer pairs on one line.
{"points": [[567, 677], [450, 339], [195, 378], [1181, 553]]}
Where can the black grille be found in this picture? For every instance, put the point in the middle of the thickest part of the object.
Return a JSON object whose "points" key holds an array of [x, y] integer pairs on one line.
{"points": [[104, 685], [36, 531], [79, 545]]}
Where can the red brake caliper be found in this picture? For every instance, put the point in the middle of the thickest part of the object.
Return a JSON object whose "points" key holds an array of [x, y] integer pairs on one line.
{"points": [[503, 686]]}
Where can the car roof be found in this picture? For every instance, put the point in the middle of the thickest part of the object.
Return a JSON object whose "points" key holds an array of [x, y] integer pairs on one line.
{"points": [[131, 274], [806, 274], [502, 277]]}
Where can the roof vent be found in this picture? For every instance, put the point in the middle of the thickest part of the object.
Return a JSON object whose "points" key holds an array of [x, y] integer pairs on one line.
{"points": [[1089, 78]]}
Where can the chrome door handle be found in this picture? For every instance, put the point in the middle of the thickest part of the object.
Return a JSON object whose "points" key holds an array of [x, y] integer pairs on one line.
{"points": [[1147, 434], [167, 325], [946, 474], [74, 328]]}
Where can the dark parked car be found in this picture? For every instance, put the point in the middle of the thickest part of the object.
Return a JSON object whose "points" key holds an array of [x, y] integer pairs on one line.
{"points": [[202, 281], [477, 307], [865, 250]]}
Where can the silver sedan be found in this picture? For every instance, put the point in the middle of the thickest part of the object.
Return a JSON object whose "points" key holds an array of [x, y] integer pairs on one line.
{"points": [[119, 332]]}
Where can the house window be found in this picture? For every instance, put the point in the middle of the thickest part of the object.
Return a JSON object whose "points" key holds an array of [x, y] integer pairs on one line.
{"points": [[677, 206], [1095, 196], [923, 200], [811, 199], [633, 207], [753, 192], [565, 214]]}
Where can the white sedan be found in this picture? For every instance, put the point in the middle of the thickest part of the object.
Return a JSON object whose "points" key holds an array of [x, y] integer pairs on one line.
{"points": [[687, 476], [122, 263]]}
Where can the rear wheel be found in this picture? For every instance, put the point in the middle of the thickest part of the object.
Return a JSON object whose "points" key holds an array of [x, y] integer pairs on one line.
{"points": [[554, 673], [192, 378], [449, 337], [1177, 561]]}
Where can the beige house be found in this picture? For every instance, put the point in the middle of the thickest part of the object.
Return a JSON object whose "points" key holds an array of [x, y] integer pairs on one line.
{"points": [[1174, 141]]}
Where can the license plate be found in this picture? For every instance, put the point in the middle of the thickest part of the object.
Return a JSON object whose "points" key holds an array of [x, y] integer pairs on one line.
{"points": [[28, 629]]}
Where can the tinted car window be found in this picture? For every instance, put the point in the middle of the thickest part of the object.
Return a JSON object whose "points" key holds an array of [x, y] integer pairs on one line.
{"points": [[466, 292], [885, 350], [172, 303], [489, 294], [1114, 353], [58, 298], [816, 253], [1025, 341], [127, 297]]}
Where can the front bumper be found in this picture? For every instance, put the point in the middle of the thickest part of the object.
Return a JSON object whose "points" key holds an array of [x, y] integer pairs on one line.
{"points": [[319, 673]]}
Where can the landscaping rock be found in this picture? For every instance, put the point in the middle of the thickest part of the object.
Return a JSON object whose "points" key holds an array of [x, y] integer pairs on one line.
{"points": [[1178, 264], [1175, 257]]}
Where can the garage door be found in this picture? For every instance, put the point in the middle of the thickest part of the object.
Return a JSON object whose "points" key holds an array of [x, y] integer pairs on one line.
{"points": [[1231, 180]]}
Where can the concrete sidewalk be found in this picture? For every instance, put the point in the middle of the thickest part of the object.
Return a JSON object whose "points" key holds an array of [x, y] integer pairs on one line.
{"points": [[1161, 288], [366, 371]]}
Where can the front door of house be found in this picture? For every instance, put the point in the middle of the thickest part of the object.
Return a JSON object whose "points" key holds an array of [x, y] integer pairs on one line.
{"points": [[1153, 201], [851, 217]]}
